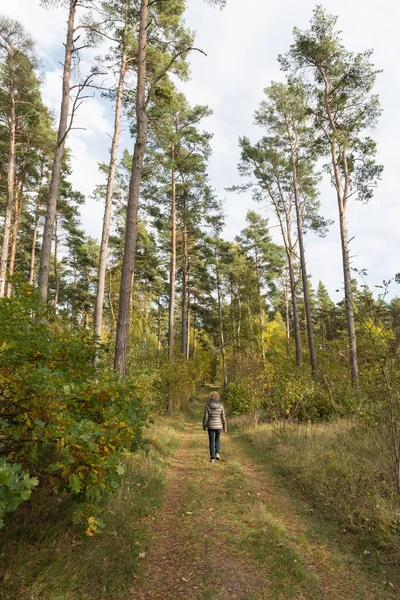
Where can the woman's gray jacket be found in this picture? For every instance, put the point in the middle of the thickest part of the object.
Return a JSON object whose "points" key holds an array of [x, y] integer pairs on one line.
{"points": [[214, 415]]}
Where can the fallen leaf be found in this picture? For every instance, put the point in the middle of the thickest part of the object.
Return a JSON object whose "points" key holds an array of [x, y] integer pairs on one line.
{"points": [[210, 509], [142, 554], [185, 580], [189, 513]]}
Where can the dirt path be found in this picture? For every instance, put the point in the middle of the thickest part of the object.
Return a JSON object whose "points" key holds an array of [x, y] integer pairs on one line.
{"points": [[226, 531]]}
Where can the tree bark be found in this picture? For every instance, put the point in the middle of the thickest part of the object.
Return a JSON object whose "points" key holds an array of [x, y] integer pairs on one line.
{"points": [[158, 332], [128, 264], [260, 309], [55, 259], [296, 322], [187, 352], [194, 335], [10, 188], [310, 332], [342, 193], [185, 324], [221, 329], [101, 282], [172, 276], [45, 255], [14, 234], [35, 227]]}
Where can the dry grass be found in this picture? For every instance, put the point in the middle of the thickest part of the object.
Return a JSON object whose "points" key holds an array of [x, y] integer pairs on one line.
{"points": [[344, 469]]}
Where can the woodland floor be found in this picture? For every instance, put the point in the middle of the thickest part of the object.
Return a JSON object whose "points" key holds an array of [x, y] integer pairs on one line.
{"points": [[232, 529], [228, 530]]}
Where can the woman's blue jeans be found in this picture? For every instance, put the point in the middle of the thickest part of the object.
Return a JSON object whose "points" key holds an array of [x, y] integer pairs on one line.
{"points": [[214, 436]]}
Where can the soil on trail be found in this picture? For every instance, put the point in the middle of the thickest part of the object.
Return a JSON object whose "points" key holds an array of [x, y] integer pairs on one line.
{"points": [[226, 530]]}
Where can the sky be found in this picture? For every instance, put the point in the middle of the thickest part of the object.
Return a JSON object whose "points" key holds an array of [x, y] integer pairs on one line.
{"points": [[242, 44]]}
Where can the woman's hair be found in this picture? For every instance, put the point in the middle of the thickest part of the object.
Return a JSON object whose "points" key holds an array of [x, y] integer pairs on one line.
{"points": [[214, 396]]}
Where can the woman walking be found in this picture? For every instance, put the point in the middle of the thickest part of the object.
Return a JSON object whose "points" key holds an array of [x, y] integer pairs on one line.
{"points": [[215, 421]]}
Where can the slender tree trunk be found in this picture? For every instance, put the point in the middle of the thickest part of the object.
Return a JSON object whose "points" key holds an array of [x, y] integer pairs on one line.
{"points": [[260, 308], [56, 276], [45, 255], [239, 327], [101, 282], [233, 320], [110, 294], [342, 193], [194, 334], [221, 329], [348, 292], [128, 265], [187, 350], [14, 234], [35, 227], [296, 322], [287, 313], [307, 307], [158, 332], [10, 189], [185, 325], [172, 276]]}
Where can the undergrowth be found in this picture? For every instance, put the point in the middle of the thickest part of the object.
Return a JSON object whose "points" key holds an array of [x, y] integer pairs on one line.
{"points": [[44, 556], [342, 469]]}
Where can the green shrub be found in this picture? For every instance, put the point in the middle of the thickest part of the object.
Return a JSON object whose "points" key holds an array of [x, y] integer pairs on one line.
{"points": [[15, 486], [62, 417]]}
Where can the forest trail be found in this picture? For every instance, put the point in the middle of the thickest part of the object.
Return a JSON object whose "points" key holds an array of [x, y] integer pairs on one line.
{"points": [[227, 530]]}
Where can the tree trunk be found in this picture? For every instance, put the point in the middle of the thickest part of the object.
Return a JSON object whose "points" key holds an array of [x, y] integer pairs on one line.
{"points": [[296, 322], [348, 292], [260, 309], [342, 193], [10, 190], [56, 276], [187, 349], [287, 314], [158, 332], [98, 314], [194, 335], [172, 276], [185, 325], [45, 255], [14, 234], [128, 264], [310, 332], [221, 329], [35, 227]]}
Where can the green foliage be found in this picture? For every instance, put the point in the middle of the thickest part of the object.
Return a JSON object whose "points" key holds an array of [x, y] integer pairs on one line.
{"points": [[61, 416], [15, 486]]}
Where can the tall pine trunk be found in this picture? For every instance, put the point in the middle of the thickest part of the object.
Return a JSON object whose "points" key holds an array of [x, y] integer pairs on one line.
{"points": [[221, 328], [35, 227], [306, 295], [296, 321], [45, 255], [260, 308], [14, 234], [185, 266], [172, 276], [10, 188], [101, 282], [342, 193], [128, 264], [55, 262]]}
